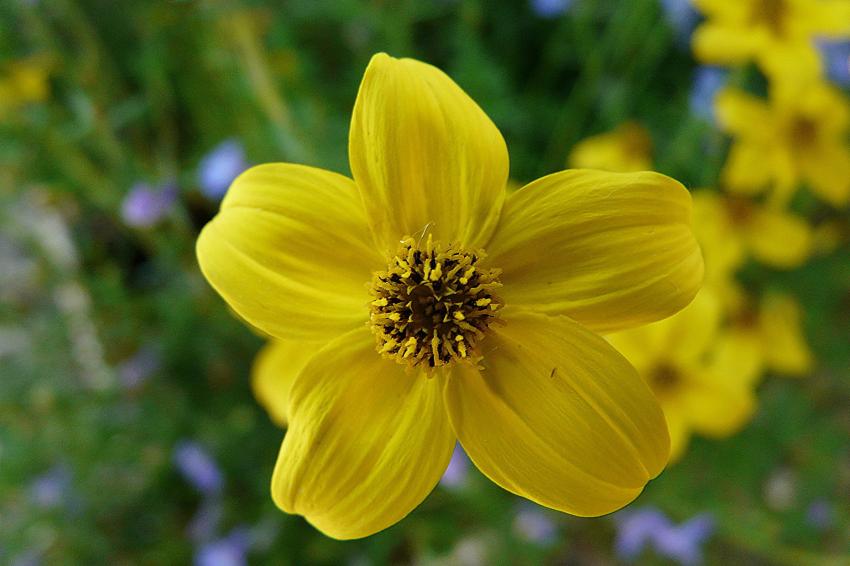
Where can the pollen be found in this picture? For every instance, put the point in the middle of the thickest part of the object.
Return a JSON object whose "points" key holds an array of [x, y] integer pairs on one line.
{"points": [[434, 304]]}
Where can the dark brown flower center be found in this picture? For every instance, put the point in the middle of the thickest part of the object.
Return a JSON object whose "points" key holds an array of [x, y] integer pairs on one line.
{"points": [[804, 132], [740, 210], [771, 13], [433, 304], [664, 378]]}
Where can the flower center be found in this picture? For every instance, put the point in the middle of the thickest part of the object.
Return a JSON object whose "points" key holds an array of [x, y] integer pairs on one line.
{"points": [[433, 304], [804, 132], [771, 13], [740, 210], [664, 378]]}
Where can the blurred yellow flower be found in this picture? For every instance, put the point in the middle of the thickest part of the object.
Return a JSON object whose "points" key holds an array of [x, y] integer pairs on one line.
{"points": [[779, 35], [774, 324], [412, 337], [800, 135], [23, 82], [731, 228], [626, 149], [703, 377]]}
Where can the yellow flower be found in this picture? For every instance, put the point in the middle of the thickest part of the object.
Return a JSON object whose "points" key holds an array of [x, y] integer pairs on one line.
{"points": [[731, 228], [703, 377], [23, 82], [779, 35], [626, 149], [774, 324], [798, 136], [405, 336]]}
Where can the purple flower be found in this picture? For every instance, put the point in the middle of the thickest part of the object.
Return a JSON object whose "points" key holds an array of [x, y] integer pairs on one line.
{"points": [[820, 515], [836, 59], [681, 16], [220, 167], [135, 370], [144, 205], [650, 527], [228, 551], [198, 467], [534, 524], [456, 474], [683, 543], [635, 529], [550, 8], [707, 82], [50, 489]]}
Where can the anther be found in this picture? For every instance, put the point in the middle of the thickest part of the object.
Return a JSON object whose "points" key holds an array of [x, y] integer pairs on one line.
{"points": [[433, 304]]}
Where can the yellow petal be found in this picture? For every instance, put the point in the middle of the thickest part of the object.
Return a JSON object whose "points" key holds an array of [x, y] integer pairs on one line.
{"points": [[741, 113], [290, 252], [720, 44], [717, 398], [747, 170], [778, 238], [827, 172], [556, 415], [366, 440], [727, 11], [716, 409], [721, 245], [795, 62], [611, 250], [424, 155], [684, 337], [675, 413], [274, 372], [737, 359], [829, 18], [785, 348], [626, 149]]}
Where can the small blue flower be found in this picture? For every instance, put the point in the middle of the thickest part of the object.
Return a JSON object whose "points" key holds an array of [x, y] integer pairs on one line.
{"points": [[635, 529], [836, 59], [198, 467], [535, 524], [650, 527], [458, 469], [681, 16], [707, 82], [144, 205], [820, 515], [550, 8], [220, 167], [683, 543], [231, 550], [50, 489]]}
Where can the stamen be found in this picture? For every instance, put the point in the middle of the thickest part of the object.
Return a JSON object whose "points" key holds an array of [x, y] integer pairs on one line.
{"points": [[433, 304]]}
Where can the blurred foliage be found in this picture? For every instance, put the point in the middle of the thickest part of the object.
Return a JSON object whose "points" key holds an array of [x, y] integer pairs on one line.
{"points": [[142, 91]]}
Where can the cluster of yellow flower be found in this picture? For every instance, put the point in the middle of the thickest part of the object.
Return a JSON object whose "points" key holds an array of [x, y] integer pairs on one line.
{"points": [[705, 362]]}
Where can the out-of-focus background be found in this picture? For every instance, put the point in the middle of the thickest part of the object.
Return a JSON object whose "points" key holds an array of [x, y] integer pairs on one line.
{"points": [[128, 429]]}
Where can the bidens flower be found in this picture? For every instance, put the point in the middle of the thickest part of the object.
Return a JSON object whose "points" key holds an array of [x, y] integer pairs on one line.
{"points": [[704, 378], [800, 135], [626, 149], [730, 228], [775, 324], [405, 335], [778, 34]]}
